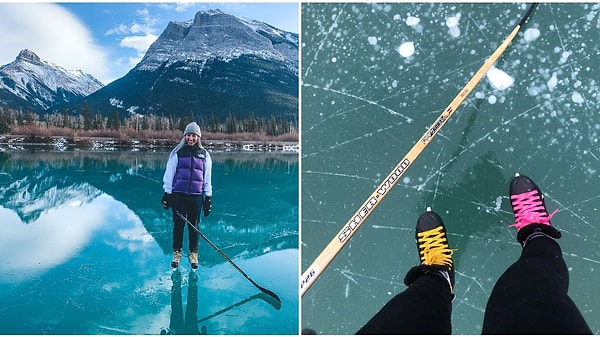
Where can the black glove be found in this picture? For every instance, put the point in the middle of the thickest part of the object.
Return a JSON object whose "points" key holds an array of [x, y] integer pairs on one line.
{"points": [[167, 200], [207, 205]]}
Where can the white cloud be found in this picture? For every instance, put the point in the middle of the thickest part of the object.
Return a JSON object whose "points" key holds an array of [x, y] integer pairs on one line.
{"points": [[138, 36], [139, 43], [54, 34], [61, 233], [55, 240], [177, 6], [120, 29]]}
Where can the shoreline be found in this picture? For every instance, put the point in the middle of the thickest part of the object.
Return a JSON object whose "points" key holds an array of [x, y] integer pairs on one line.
{"points": [[104, 143]]}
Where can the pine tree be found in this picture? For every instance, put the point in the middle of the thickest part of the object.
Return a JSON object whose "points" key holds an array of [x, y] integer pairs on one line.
{"points": [[113, 122], [145, 123], [272, 126], [5, 120], [30, 118], [87, 118], [158, 125], [20, 121], [231, 124], [65, 120]]}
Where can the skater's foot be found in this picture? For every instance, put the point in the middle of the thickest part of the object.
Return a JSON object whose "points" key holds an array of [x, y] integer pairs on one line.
{"points": [[434, 253], [531, 217]]}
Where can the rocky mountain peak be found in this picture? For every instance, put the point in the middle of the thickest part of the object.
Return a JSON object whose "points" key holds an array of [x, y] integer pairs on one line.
{"points": [[42, 84], [28, 55], [215, 17], [215, 34]]}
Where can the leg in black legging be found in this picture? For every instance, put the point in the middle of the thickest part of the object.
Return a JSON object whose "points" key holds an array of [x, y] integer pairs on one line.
{"points": [[193, 208], [531, 296], [423, 308], [178, 223]]}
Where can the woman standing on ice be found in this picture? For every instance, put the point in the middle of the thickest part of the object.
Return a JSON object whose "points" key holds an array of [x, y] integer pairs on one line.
{"points": [[187, 189]]}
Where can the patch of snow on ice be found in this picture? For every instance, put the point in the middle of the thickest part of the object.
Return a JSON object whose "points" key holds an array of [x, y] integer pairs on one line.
{"points": [[552, 82], [531, 34], [407, 49], [499, 79], [498, 203], [452, 24], [577, 97], [564, 56], [412, 21]]}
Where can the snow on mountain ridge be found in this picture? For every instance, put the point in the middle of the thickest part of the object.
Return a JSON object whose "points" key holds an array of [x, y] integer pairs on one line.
{"points": [[32, 78], [215, 34]]}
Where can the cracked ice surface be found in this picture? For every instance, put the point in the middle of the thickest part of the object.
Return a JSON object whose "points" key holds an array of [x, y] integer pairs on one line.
{"points": [[376, 76]]}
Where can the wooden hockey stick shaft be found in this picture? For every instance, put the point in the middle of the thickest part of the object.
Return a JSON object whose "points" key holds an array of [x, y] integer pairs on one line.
{"points": [[339, 241], [264, 290]]}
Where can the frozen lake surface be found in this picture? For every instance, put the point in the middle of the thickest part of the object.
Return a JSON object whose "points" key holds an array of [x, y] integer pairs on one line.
{"points": [[376, 76], [86, 246]]}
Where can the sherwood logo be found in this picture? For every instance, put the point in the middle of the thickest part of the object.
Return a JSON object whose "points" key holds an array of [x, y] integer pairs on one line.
{"points": [[436, 127], [364, 212]]}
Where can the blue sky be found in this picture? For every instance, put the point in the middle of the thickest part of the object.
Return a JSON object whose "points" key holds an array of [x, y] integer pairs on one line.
{"points": [[107, 39]]}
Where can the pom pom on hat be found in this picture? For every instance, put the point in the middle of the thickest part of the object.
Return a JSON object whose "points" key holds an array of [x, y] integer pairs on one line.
{"points": [[192, 128]]}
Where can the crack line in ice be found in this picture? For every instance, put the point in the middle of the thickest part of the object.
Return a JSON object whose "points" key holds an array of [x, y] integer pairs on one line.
{"points": [[390, 227], [472, 278], [355, 139], [437, 183], [582, 257], [350, 276], [593, 155], [315, 58], [559, 35], [368, 101], [563, 207], [353, 176], [482, 138], [469, 304]]}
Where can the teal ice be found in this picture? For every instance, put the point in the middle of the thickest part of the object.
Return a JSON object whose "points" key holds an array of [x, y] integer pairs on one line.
{"points": [[86, 246], [376, 76]]}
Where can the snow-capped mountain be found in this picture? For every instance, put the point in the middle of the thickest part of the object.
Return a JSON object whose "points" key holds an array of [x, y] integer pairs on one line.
{"points": [[216, 35], [214, 65], [30, 82]]}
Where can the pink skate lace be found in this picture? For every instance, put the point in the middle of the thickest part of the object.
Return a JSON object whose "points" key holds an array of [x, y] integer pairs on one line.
{"points": [[528, 208]]}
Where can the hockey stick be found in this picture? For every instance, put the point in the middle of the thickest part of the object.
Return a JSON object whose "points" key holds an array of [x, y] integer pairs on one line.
{"points": [[266, 291], [339, 241], [261, 295]]}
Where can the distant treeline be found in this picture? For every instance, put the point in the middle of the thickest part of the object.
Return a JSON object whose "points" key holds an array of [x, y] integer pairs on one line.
{"points": [[12, 120]]}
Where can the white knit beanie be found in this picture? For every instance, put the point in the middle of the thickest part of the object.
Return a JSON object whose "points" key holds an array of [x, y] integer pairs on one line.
{"points": [[192, 128]]}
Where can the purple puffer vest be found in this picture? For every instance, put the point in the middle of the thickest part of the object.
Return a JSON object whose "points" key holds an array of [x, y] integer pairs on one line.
{"points": [[189, 176]]}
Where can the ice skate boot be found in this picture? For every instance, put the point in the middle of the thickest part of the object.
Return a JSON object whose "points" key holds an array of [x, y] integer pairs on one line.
{"points": [[531, 217], [434, 252], [176, 258], [193, 259]]}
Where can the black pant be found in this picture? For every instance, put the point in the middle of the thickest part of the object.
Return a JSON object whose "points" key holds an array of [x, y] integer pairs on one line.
{"points": [[189, 206], [423, 308], [529, 298]]}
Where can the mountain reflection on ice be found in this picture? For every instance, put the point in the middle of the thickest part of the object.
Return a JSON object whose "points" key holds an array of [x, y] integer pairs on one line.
{"points": [[86, 246], [376, 76], [53, 238]]}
